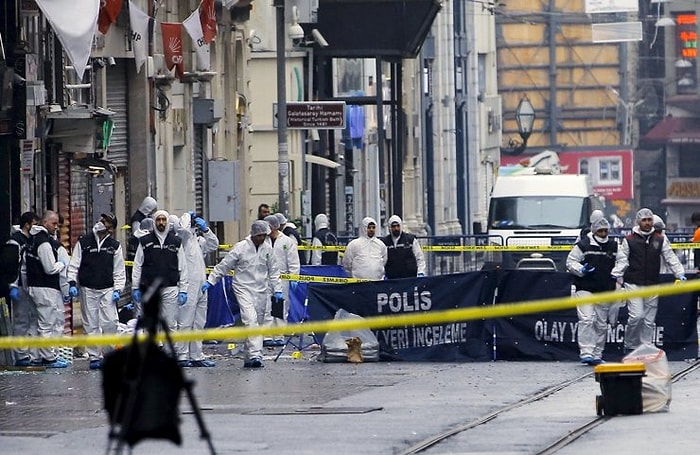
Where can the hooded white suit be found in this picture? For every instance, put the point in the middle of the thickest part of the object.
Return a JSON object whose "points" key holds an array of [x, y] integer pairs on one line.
{"points": [[364, 256]]}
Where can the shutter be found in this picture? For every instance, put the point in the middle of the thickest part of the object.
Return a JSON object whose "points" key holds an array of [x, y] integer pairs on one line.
{"points": [[117, 101], [198, 168]]}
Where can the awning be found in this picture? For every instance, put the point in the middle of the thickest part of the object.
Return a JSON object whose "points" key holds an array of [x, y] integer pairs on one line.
{"points": [[673, 201], [674, 130], [315, 159]]}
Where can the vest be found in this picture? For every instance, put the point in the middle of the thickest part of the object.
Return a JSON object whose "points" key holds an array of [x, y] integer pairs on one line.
{"points": [[291, 232], [22, 241], [327, 238], [36, 277], [602, 257], [160, 261], [132, 243], [401, 262], [97, 267], [644, 258]]}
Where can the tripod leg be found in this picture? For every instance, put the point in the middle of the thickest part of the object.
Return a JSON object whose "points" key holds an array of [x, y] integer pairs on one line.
{"points": [[203, 432]]}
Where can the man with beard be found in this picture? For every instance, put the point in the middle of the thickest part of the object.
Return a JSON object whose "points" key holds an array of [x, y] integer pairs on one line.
{"points": [[639, 264], [160, 256]]}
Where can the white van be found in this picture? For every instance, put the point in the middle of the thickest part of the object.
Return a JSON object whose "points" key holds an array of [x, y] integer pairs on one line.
{"points": [[533, 208]]}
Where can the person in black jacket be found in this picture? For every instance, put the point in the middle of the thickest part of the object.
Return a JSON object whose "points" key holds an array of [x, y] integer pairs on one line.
{"points": [[160, 255], [323, 236], [639, 264], [404, 254], [591, 260], [24, 317], [97, 266]]}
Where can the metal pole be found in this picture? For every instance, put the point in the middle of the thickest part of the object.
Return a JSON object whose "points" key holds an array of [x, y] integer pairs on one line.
{"points": [[282, 145]]}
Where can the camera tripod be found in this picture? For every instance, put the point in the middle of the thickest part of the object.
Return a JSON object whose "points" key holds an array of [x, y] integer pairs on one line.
{"points": [[300, 346], [142, 386]]}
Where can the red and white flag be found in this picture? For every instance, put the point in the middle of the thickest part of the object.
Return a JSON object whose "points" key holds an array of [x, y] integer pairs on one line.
{"points": [[74, 27], [207, 17], [194, 29], [172, 45], [139, 34], [109, 11]]}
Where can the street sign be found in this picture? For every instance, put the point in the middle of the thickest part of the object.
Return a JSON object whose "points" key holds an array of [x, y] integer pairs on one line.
{"points": [[316, 114]]}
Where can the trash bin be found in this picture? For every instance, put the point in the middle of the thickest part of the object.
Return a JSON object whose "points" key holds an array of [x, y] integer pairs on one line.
{"points": [[621, 388]]}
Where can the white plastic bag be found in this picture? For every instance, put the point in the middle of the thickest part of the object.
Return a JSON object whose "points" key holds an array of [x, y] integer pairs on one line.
{"points": [[656, 385], [335, 349]]}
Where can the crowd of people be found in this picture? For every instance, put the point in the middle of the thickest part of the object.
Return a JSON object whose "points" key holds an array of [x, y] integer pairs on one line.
{"points": [[168, 258]]}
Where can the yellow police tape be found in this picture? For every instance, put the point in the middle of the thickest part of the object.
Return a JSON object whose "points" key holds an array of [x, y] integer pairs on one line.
{"points": [[376, 322], [468, 248]]}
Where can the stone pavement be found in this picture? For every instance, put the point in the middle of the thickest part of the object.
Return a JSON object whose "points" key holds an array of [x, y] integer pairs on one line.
{"points": [[303, 406]]}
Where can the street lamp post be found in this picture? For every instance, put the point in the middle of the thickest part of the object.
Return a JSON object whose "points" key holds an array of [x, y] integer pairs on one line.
{"points": [[525, 117], [282, 145]]}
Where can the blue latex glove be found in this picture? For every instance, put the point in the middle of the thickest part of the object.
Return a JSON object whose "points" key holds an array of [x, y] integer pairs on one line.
{"points": [[191, 212], [115, 296], [136, 295], [421, 275], [201, 224], [206, 286], [73, 291], [129, 306], [293, 285], [587, 269], [279, 295], [14, 293], [682, 278], [182, 298]]}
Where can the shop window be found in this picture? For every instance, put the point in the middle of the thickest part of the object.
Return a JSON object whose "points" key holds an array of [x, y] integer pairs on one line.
{"points": [[688, 162]]}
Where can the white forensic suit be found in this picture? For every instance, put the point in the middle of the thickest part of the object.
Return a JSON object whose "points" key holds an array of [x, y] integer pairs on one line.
{"points": [[193, 314], [44, 283], [255, 271], [97, 268], [170, 244], [365, 256], [287, 256]]}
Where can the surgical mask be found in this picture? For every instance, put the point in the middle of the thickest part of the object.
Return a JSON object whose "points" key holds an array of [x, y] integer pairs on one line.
{"points": [[600, 239], [99, 227]]}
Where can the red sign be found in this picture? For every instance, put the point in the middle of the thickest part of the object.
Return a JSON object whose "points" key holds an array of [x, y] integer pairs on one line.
{"points": [[611, 171]]}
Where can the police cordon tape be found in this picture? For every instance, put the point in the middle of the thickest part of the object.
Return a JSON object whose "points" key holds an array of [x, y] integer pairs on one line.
{"points": [[468, 248], [375, 322]]}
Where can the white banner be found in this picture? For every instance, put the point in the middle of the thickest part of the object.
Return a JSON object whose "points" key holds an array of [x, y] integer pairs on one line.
{"points": [[139, 34], [193, 25], [74, 22]]}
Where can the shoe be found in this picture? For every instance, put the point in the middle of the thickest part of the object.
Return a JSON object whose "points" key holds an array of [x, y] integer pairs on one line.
{"points": [[95, 364], [184, 363], [58, 363], [204, 363], [255, 362], [25, 362], [269, 343], [587, 360], [595, 362]]}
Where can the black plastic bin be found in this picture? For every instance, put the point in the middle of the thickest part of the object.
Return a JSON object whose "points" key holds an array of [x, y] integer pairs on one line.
{"points": [[621, 388]]}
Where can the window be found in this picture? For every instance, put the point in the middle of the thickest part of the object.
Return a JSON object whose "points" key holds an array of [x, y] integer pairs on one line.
{"points": [[688, 162], [609, 171]]}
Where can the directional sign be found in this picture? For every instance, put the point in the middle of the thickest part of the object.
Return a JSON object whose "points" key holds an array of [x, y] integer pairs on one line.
{"points": [[316, 114]]}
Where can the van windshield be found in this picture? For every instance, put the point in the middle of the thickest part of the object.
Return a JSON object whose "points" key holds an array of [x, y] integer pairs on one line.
{"points": [[537, 212]]}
